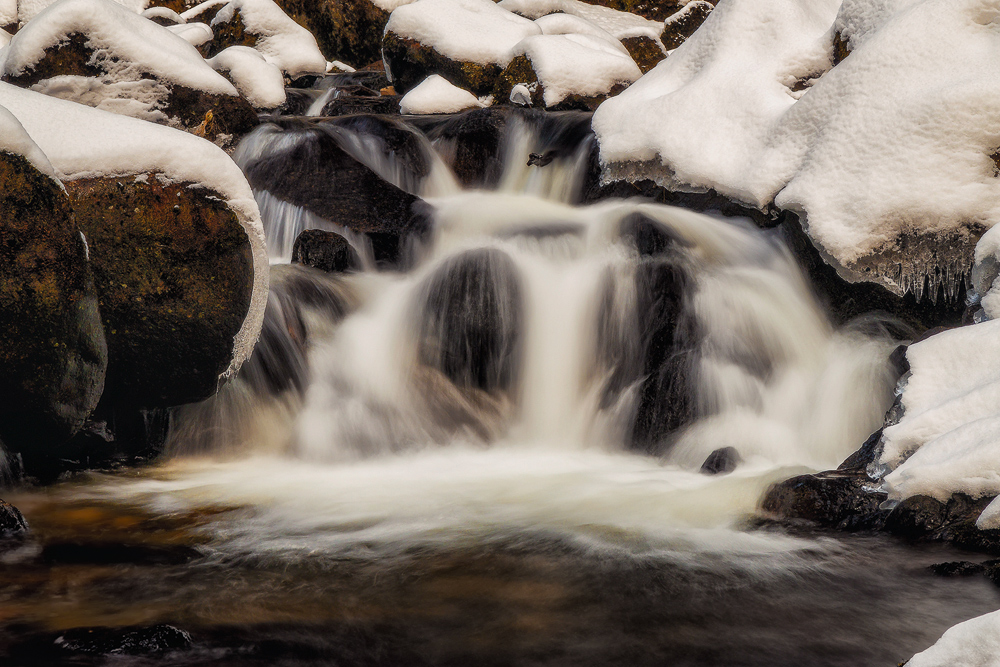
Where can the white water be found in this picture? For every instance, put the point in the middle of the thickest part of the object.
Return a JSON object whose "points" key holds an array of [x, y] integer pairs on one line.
{"points": [[384, 451]]}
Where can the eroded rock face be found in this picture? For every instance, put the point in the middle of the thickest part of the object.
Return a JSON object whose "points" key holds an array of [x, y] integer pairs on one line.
{"points": [[174, 275], [410, 62], [54, 355]]}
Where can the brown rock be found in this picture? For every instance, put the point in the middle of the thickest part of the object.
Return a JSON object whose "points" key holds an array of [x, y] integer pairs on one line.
{"points": [[409, 62], [681, 25], [174, 274], [346, 30], [521, 71], [645, 51]]}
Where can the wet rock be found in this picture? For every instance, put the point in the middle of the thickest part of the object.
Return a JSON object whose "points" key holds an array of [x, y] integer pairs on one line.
{"points": [[679, 26], [519, 78], [655, 10], [649, 237], [134, 640], [351, 102], [472, 143], [174, 275], [410, 62], [326, 251], [54, 355], [645, 51], [346, 30], [297, 102], [519, 72], [924, 518], [12, 522], [988, 568], [721, 462]]}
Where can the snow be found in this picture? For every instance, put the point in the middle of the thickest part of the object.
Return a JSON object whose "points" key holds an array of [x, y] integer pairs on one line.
{"points": [[126, 45], [257, 80], [194, 34], [567, 24], [619, 24], [8, 12], [476, 31], [894, 141], [974, 643], [81, 142], [13, 139], [29, 9], [5, 38], [162, 13], [435, 94], [574, 63], [281, 41]]}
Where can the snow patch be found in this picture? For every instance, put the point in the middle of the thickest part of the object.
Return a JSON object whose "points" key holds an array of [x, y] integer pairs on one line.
{"points": [[619, 24], [194, 34], [8, 12], [974, 643], [259, 81], [29, 9], [435, 94], [13, 139], [162, 13]]}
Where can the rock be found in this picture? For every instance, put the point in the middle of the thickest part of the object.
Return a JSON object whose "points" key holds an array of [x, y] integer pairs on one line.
{"points": [[833, 499], [471, 143], [645, 51], [655, 10], [679, 26], [518, 72], [326, 251], [348, 30], [115, 78], [174, 275], [722, 461], [12, 522], [410, 62], [133, 640], [54, 356], [649, 237]]}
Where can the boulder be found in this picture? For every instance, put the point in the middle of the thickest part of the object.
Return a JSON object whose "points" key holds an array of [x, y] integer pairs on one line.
{"points": [[54, 356], [722, 461], [326, 251], [645, 51], [348, 30], [12, 522], [410, 62], [133, 640], [682, 24], [472, 143]]}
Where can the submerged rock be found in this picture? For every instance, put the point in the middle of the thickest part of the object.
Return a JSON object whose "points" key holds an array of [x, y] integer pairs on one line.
{"points": [[133, 640], [326, 251], [722, 461], [12, 522]]}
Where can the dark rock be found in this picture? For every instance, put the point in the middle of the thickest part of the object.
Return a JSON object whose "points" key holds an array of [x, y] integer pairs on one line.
{"points": [[682, 24], [224, 33], [297, 102], [963, 568], [100, 553], [899, 361], [866, 455], [11, 520], [346, 30], [54, 355], [134, 640], [839, 499], [520, 70], [722, 461], [645, 51], [649, 237], [409, 62], [326, 251], [174, 274], [474, 142]]}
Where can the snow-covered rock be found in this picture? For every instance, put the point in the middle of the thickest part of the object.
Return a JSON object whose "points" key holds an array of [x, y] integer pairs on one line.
{"points": [[8, 14], [619, 24], [163, 16], [263, 25], [436, 95], [886, 157], [170, 193], [29, 9], [678, 27], [259, 81], [974, 643], [196, 34]]}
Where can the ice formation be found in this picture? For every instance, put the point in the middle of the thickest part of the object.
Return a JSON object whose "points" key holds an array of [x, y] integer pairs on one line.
{"points": [[280, 40], [81, 142], [435, 94], [257, 80], [974, 643], [886, 156], [476, 31]]}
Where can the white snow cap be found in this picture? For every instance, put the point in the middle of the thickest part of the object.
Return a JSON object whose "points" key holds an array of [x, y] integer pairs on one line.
{"points": [[162, 13], [29, 9], [81, 142], [194, 34], [13, 139], [113, 31], [280, 40], [895, 140], [5, 38], [974, 643], [576, 64], [619, 24], [8, 12], [435, 94], [257, 80], [476, 31]]}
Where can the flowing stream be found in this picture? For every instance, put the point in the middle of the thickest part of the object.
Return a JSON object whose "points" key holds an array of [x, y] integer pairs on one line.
{"points": [[495, 457]]}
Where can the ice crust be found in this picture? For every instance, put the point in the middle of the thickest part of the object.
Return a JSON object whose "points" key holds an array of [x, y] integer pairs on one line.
{"points": [[893, 142], [126, 45], [280, 40], [257, 80], [476, 31], [435, 94], [974, 643], [81, 142]]}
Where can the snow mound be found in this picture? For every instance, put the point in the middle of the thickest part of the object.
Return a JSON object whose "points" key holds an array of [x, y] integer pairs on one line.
{"points": [[13, 139], [29, 9], [477, 31], [974, 643], [125, 45], [259, 81], [194, 34], [435, 94], [81, 142], [162, 13], [281, 41], [886, 156], [566, 24], [619, 24], [576, 64], [8, 12], [5, 38]]}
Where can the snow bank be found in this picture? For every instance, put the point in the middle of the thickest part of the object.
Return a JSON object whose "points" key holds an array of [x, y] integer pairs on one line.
{"points": [[29, 9], [576, 64], [566, 24], [81, 142], [619, 24], [162, 13], [125, 45], [257, 80], [5, 38], [476, 31], [13, 139], [194, 34], [892, 143], [435, 94], [8, 12], [974, 643], [280, 40]]}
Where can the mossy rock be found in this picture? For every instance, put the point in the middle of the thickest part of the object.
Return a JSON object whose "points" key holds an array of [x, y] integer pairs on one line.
{"points": [[53, 358], [521, 71], [174, 274], [409, 62], [346, 30], [645, 51], [684, 23], [219, 118], [225, 34]]}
